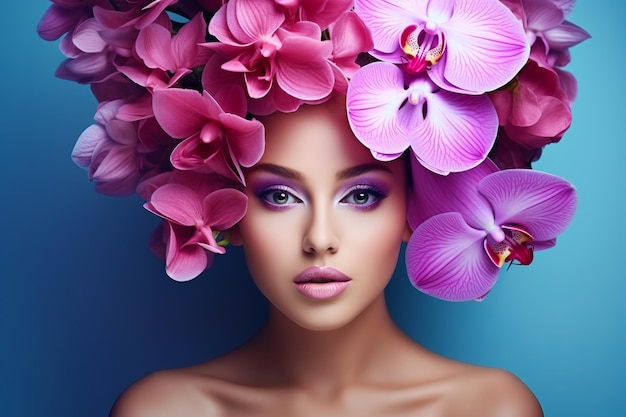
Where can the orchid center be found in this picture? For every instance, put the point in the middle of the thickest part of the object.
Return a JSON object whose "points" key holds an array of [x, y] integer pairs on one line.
{"points": [[424, 46], [269, 46], [416, 97], [211, 130], [515, 247]]}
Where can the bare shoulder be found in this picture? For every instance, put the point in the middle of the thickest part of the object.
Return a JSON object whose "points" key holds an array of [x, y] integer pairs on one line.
{"points": [[167, 393], [489, 392]]}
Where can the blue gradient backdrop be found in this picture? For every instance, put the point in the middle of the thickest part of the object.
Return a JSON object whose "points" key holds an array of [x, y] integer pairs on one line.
{"points": [[85, 308]]}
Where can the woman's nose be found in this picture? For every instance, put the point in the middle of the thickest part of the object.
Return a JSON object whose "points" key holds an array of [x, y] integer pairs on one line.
{"points": [[320, 237]]}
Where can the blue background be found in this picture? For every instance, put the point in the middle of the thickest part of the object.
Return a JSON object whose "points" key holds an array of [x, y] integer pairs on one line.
{"points": [[85, 308]]}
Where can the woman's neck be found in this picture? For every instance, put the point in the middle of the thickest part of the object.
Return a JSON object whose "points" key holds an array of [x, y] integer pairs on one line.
{"points": [[330, 360]]}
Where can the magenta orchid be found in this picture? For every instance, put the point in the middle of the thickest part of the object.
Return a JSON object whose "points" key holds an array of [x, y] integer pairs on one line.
{"points": [[195, 211], [323, 13], [271, 55], [535, 110], [390, 110], [469, 224], [166, 59], [464, 46], [214, 140]]}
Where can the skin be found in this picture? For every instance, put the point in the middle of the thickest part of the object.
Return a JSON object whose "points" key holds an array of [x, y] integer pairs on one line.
{"points": [[338, 356]]}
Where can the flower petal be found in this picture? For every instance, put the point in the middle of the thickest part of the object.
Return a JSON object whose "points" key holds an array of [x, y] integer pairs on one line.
{"points": [[86, 144], [177, 203], [224, 208], [445, 259], [486, 46], [375, 94], [434, 194], [541, 203], [387, 19], [565, 35], [245, 137], [184, 264], [183, 112], [249, 21], [154, 47], [300, 55], [457, 132]]}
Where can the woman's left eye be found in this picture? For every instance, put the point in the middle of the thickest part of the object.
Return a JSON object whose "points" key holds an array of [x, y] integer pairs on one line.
{"points": [[363, 197]]}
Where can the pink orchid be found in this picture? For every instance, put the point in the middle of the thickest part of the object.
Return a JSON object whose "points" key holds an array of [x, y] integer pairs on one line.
{"points": [[194, 210], [322, 12], [165, 59], [468, 224], [350, 37], [467, 46], [390, 110], [214, 140], [178, 53], [534, 110], [269, 55]]}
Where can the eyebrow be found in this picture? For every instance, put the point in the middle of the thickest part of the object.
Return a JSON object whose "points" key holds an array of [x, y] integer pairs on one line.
{"points": [[345, 174]]}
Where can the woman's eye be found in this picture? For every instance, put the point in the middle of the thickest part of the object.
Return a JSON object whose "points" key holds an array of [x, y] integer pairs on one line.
{"points": [[363, 197], [278, 197]]}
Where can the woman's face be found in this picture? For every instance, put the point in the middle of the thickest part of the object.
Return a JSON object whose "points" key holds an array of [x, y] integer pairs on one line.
{"points": [[325, 220]]}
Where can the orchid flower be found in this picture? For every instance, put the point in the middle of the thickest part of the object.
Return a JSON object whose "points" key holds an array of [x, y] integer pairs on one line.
{"points": [[469, 224], [544, 22], [108, 150], [192, 220], [270, 55], [534, 110], [322, 12], [166, 58], [390, 110], [214, 140], [470, 46]]}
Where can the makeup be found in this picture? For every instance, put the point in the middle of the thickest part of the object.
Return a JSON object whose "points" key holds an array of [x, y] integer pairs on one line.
{"points": [[321, 283]]}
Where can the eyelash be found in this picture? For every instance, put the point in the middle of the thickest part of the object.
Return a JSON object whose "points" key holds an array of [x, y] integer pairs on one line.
{"points": [[291, 199]]}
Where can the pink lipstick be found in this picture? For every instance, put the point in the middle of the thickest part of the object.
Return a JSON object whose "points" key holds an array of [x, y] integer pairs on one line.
{"points": [[321, 283]]}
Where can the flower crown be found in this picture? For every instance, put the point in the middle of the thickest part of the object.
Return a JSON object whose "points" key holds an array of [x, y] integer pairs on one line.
{"points": [[475, 88]]}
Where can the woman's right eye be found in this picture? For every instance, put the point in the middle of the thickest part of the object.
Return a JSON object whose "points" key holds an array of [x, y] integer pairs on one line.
{"points": [[279, 197]]}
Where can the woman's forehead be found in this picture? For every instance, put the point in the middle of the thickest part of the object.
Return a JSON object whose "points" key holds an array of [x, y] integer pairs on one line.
{"points": [[319, 132]]}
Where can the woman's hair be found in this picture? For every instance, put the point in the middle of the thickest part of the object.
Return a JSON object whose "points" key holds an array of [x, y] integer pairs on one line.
{"points": [[180, 83]]}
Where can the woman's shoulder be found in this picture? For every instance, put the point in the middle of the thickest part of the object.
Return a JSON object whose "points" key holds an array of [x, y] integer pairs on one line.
{"points": [[167, 393], [487, 392]]}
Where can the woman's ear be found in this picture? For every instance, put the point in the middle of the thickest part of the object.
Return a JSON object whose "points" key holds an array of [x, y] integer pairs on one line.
{"points": [[406, 235]]}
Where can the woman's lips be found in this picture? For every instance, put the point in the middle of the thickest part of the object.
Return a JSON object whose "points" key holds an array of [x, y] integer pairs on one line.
{"points": [[321, 283]]}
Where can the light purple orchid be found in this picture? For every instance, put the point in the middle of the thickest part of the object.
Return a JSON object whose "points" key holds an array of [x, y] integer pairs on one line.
{"points": [[467, 46], [214, 140], [194, 216], [122, 148], [390, 110], [467, 225], [544, 22]]}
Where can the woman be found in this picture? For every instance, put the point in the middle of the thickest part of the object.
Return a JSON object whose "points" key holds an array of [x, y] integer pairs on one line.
{"points": [[322, 209], [320, 187]]}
